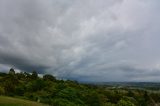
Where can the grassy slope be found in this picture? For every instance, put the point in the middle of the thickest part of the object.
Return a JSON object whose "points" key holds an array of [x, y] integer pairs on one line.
{"points": [[9, 101]]}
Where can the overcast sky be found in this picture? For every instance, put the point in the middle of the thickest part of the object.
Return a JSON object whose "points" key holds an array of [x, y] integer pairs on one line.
{"points": [[84, 40]]}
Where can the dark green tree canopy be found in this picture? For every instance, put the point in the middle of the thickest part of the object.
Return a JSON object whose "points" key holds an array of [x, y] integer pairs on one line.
{"points": [[34, 75], [49, 77]]}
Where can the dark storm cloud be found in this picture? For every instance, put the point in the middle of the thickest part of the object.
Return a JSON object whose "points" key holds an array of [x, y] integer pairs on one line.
{"points": [[22, 64], [106, 40]]}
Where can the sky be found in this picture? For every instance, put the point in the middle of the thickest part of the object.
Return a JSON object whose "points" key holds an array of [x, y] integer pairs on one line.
{"points": [[83, 40]]}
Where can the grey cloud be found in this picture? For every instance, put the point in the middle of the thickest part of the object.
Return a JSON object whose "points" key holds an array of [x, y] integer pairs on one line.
{"points": [[91, 40]]}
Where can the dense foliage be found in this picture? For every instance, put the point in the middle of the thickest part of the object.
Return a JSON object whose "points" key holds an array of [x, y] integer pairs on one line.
{"points": [[55, 92]]}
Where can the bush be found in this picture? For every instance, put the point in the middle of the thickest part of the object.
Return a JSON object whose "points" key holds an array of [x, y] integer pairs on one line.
{"points": [[2, 91], [64, 102], [124, 102]]}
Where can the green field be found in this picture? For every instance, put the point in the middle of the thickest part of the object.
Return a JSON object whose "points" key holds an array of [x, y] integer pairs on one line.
{"points": [[9, 101]]}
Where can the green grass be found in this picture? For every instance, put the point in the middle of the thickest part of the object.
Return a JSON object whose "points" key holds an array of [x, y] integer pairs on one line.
{"points": [[9, 101]]}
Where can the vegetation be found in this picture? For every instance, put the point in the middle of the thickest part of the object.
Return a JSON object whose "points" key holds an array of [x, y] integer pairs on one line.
{"points": [[9, 101], [49, 90]]}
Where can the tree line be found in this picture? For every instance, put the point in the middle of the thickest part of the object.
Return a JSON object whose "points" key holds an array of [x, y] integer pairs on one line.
{"points": [[49, 90]]}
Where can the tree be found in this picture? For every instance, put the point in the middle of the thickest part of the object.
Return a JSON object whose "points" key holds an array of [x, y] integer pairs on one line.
{"points": [[9, 87], [27, 76], [11, 71], [35, 85], [49, 77], [92, 98], [123, 102], [2, 91], [130, 93], [20, 76], [34, 75]]}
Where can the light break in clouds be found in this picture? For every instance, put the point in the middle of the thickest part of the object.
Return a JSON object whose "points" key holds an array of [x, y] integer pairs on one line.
{"points": [[84, 40]]}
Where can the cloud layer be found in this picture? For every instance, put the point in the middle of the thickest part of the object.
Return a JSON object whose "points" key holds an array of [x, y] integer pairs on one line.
{"points": [[106, 40]]}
